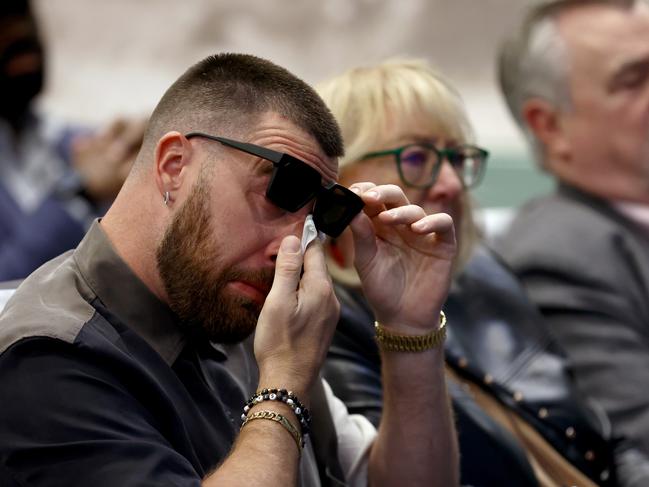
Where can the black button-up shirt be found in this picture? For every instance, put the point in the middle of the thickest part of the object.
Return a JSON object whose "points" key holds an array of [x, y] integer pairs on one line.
{"points": [[100, 386]]}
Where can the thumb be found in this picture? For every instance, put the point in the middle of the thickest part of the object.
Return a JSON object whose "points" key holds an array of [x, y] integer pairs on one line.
{"points": [[288, 266]]}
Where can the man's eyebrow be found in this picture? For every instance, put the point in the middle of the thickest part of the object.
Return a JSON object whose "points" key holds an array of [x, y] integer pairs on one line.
{"points": [[632, 67]]}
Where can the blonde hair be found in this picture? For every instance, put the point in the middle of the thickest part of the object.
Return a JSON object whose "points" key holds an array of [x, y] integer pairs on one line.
{"points": [[370, 102]]}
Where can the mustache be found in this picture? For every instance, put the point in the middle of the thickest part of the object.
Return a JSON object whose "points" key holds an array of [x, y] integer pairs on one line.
{"points": [[261, 278]]}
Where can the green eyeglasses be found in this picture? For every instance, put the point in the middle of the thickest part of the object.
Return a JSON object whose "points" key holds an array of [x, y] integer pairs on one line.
{"points": [[419, 164]]}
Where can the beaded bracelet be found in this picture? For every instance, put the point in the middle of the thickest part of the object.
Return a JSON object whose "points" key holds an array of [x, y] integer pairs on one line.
{"points": [[285, 396], [273, 416]]}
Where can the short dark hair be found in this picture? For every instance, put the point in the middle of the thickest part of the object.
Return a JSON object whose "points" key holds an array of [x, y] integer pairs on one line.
{"points": [[227, 92]]}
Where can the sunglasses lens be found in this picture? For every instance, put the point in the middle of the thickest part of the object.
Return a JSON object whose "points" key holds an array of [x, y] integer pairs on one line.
{"points": [[293, 184], [335, 208]]}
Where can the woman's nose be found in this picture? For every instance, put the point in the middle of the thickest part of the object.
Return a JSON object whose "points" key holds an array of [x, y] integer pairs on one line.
{"points": [[448, 185]]}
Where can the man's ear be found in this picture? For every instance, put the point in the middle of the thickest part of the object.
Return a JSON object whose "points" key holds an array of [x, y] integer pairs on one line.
{"points": [[547, 124], [173, 155]]}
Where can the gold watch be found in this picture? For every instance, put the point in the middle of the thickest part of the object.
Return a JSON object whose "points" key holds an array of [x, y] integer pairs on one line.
{"points": [[394, 342]]}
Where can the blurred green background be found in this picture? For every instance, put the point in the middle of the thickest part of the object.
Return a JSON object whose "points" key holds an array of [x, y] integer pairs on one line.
{"points": [[512, 178]]}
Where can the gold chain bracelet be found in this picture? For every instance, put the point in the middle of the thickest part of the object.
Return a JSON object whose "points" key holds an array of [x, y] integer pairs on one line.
{"points": [[278, 418], [393, 342]]}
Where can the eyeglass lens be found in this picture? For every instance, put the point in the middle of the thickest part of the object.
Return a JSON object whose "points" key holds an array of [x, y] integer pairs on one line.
{"points": [[420, 164], [294, 184], [335, 208], [468, 162]]}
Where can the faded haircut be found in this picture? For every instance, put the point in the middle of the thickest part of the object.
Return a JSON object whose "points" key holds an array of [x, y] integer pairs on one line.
{"points": [[227, 93]]}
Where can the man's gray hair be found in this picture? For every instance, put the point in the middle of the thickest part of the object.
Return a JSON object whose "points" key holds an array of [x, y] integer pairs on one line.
{"points": [[534, 62]]}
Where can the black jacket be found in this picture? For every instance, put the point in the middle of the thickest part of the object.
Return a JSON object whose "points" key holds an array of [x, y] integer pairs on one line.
{"points": [[496, 339]]}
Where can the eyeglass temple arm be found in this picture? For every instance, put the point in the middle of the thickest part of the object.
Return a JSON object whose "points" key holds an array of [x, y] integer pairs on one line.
{"points": [[381, 153], [483, 152], [252, 149]]}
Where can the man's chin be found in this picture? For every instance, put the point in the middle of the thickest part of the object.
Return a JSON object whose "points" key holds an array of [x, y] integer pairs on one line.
{"points": [[233, 325]]}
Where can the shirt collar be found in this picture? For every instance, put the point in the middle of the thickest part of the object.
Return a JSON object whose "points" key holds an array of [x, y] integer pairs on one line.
{"points": [[126, 296], [636, 212]]}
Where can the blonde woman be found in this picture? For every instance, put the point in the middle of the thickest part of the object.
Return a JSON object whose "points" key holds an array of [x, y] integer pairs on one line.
{"points": [[519, 421]]}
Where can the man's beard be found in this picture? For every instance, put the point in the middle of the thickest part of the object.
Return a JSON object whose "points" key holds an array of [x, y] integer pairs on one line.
{"points": [[189, 265]]}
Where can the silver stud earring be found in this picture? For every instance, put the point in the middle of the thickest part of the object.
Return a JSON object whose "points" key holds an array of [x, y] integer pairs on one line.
{"points": [[165, 198]]}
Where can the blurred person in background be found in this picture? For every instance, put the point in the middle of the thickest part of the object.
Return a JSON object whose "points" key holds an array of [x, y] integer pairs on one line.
{"points": [[519, 419], [54, 180], [576, 79]]}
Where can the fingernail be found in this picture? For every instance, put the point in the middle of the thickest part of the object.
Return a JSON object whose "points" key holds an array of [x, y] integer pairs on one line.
{"points": [[354, 189], [290, 245], [372, 194]]}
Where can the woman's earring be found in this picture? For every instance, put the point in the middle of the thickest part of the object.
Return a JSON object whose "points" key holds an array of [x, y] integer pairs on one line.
{"points": [[165, 198]]}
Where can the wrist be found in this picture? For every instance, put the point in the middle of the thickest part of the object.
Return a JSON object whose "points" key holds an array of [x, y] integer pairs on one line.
{"points": [[276, 406], [267, 414], [402, 338], [409, 326], [292, 382], [278, 401]]}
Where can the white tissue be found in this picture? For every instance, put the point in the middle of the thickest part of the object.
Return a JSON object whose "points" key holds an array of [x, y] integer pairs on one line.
{"points": [[309, 233]]}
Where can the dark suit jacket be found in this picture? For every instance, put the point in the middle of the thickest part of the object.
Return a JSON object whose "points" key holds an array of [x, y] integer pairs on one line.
{"points": [[586, 266]]}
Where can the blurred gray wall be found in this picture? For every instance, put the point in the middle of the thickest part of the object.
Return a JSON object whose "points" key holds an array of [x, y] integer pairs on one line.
{"points": [[116, 57]]}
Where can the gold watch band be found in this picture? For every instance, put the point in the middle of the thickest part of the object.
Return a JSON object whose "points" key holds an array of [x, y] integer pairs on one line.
{"points": [[394, 342]]}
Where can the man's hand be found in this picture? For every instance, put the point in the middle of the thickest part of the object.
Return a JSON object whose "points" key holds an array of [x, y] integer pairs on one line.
{"points": [[297, 321], [104, 160], [403, 257]]}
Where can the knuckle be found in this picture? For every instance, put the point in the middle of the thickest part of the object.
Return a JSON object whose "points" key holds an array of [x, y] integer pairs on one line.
{"points": [[323, 290], [288, 268]]}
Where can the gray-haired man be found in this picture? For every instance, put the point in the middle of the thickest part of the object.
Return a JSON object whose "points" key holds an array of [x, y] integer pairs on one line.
{"points": [[576, 79]]}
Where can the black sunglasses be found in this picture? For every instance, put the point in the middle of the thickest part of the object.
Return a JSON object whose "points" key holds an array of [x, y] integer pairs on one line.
{"points": [[294, 183]]}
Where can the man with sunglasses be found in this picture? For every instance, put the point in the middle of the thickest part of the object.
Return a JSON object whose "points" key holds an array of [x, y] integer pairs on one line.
{"points": [[127, 361]]}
